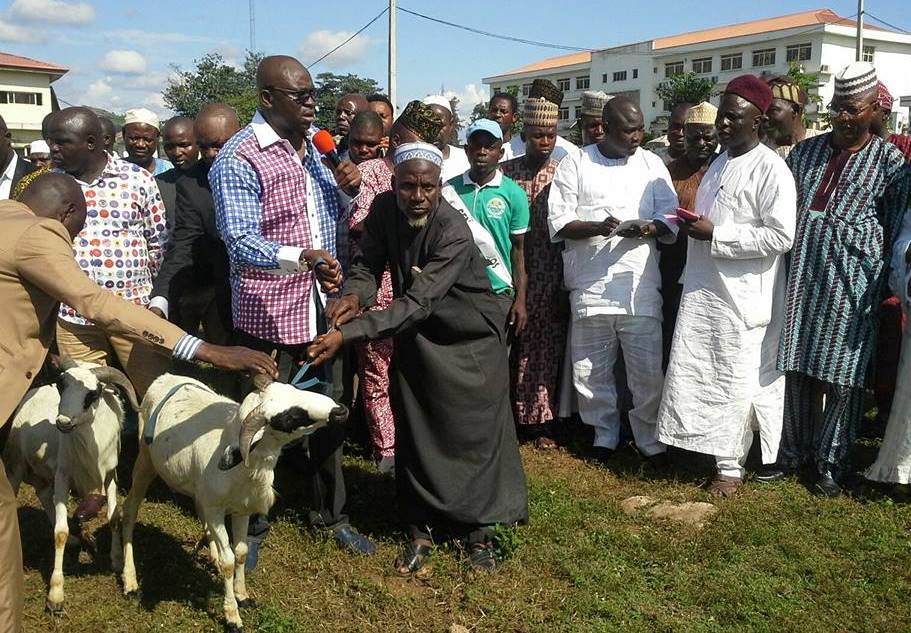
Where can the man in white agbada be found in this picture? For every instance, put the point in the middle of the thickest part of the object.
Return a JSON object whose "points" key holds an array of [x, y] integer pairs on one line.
{"points": [[455, 160], [613, 279], [893, 463], [721, 382]]}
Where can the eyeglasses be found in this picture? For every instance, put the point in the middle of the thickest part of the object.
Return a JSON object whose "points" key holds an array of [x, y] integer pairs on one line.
{"points": [[301, 97], [851, 109]]}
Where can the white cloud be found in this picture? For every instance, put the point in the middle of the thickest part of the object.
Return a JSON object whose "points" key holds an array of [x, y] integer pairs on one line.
{"points": [[123, 62], [470, 96], [152, 38], [319, 43], [18, 34], [98, 90], [52, 11]]}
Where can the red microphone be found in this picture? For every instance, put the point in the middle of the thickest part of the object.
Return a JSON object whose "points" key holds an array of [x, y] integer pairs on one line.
{"points": [[325, 145]]}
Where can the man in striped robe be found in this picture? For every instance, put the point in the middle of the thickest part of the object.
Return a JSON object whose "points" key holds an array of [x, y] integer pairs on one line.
{"points": [[853, 190]]}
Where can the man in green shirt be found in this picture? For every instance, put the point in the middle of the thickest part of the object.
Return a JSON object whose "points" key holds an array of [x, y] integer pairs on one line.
{"points": [[496, 210]]}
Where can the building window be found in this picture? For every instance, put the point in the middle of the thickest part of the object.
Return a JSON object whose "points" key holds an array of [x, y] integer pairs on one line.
{"points": [[702, 66], [731, 62], [673, 69], [25, 98], [665, 106], [525, 89], [868, 53], [577, 112], [764, 57], [604, 78], [635, 73], [563, 84], [798, 52], [582, 83], [620, 75], [563, 112]]}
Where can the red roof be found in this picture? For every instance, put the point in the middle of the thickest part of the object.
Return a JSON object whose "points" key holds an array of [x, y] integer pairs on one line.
{"points": [[25, 63]]}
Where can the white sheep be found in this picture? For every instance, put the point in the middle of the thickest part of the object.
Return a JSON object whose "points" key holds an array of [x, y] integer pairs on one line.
{"points": [[193, 429], [67, 437]]}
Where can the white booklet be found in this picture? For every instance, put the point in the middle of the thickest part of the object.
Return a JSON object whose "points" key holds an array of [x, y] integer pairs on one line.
{"points": [[626, 225]]}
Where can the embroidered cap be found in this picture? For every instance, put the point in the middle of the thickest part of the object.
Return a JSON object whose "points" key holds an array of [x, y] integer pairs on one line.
{"points": [[417, 151], [855, 78], [540, 111], [593, 102], [141, 115], [702, 114], [437, 100], [545, 89], [420, 119], [784, 88]]}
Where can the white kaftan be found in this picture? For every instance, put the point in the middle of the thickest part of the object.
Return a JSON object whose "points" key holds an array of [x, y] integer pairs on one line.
{"points": [[893, 463], [721, 381]]}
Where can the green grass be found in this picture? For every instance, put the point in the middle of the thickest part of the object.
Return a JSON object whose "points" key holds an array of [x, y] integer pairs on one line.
{"points": [[773, 559]]}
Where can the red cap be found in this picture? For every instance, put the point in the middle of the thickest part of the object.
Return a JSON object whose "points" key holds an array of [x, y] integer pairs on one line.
{"points": [[323, 142], [753, 89]]}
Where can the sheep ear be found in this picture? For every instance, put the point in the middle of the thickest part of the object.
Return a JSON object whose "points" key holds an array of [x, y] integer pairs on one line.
{"points": [[254, 421], [230, 458]]}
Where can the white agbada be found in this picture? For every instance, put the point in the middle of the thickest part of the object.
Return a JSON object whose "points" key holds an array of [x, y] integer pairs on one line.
{"points": [[893, 463], [516, 147], [721, 381]]}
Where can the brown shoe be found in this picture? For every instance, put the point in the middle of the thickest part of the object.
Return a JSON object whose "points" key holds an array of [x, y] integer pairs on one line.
{"points": [[724, 486]]}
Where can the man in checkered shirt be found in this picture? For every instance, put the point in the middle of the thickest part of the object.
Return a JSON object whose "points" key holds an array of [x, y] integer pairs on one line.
{"points": [[277, 208]]}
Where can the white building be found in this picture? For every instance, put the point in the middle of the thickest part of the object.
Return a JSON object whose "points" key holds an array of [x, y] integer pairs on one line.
{"points": [[820, 41], [25, 95]]}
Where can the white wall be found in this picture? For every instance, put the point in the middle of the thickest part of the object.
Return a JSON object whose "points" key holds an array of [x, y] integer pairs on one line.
{"points": [[24, 120]]}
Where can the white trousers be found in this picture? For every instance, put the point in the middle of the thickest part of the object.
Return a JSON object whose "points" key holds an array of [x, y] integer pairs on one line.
{"points": [[732, 465], [594, 342]]}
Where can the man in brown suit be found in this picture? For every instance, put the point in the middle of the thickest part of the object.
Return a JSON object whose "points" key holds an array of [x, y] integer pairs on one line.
{"points": [[37, 271]]}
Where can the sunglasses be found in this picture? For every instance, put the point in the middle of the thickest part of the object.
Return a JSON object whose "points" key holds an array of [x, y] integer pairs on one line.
{"points": [[301, 97]]}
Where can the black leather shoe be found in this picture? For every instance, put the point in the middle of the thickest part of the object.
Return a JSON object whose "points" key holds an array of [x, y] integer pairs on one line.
{"points": [[768, 474], [826, 486], [603, 455]]}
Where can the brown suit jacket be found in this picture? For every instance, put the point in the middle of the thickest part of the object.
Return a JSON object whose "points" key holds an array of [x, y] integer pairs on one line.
{"points": [[37, 271]]}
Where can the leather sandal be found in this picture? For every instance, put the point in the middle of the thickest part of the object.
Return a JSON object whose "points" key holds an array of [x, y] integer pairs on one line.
{"points": [[724, 486], [545, 443], [412, 559], [481, 558]]}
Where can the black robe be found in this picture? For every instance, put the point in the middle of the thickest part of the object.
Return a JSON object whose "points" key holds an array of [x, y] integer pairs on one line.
{"points": [[456, 455]]}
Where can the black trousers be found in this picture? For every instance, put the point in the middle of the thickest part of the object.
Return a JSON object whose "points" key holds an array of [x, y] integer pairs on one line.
{"points": [[318, 458]]}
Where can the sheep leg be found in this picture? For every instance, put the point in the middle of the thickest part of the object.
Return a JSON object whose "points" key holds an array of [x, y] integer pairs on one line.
{"points": [[143, 475], [55, 596], [114, 515], [226, 563], [46, 497], [239, 525]]}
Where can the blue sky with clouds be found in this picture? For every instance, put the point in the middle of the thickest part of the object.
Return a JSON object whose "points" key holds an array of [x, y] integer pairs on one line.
{"points": [[120, 52]]}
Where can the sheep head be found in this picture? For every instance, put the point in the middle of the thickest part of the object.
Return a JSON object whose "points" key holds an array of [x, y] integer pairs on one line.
{"points": [[81, 387], [288, 413]]}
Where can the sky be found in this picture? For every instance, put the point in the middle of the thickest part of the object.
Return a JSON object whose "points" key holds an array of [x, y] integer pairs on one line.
{"points": [[121, 53]]}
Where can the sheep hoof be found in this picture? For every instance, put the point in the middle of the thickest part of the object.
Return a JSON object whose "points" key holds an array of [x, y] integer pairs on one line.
{"points": [[55, 608], [134, 596], [230, 627], [248, 603]]}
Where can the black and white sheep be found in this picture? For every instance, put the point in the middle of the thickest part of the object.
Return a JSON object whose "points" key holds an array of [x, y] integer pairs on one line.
{"points": [[193, 429], [66, 437]]}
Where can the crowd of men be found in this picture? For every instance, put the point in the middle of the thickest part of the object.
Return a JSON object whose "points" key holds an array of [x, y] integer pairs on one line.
{"points": [[479, 295]]}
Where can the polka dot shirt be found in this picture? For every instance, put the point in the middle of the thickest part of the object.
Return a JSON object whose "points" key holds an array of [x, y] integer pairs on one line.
{"points": [[122, 244]]}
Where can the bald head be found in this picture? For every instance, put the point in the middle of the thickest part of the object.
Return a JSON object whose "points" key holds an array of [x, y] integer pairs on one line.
{"points": [[624, 127], [76, 142], [59, 197], [216, 123], [108, 133], [286, 97]]}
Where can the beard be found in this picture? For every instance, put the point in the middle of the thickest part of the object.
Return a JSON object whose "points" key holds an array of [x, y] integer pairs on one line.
{"points": [[417, 223]]}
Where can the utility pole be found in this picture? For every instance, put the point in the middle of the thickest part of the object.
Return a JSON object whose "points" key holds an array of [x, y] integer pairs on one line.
{"points": [[860, 31], [252, 26], [392, 11]]}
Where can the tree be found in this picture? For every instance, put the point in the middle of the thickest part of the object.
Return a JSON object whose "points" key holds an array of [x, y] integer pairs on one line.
{"points": [[329, 87], [212, 81], [685, 88], [809, 82]]}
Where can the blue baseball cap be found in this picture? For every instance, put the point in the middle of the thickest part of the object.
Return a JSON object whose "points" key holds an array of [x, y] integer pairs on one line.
{"points": [[485, 125]]}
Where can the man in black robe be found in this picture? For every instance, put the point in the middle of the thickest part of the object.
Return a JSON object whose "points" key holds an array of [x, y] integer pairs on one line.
{"points": [[458, 469]]}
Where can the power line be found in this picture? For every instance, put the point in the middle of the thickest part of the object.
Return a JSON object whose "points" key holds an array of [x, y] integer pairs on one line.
{"points": [[891, 26], [359, 31], [495, 35]]}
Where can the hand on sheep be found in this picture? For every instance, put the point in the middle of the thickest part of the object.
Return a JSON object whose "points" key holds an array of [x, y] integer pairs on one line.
{"points": [[237, 359], [325, 347], [340, 311], [328, 271]]}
